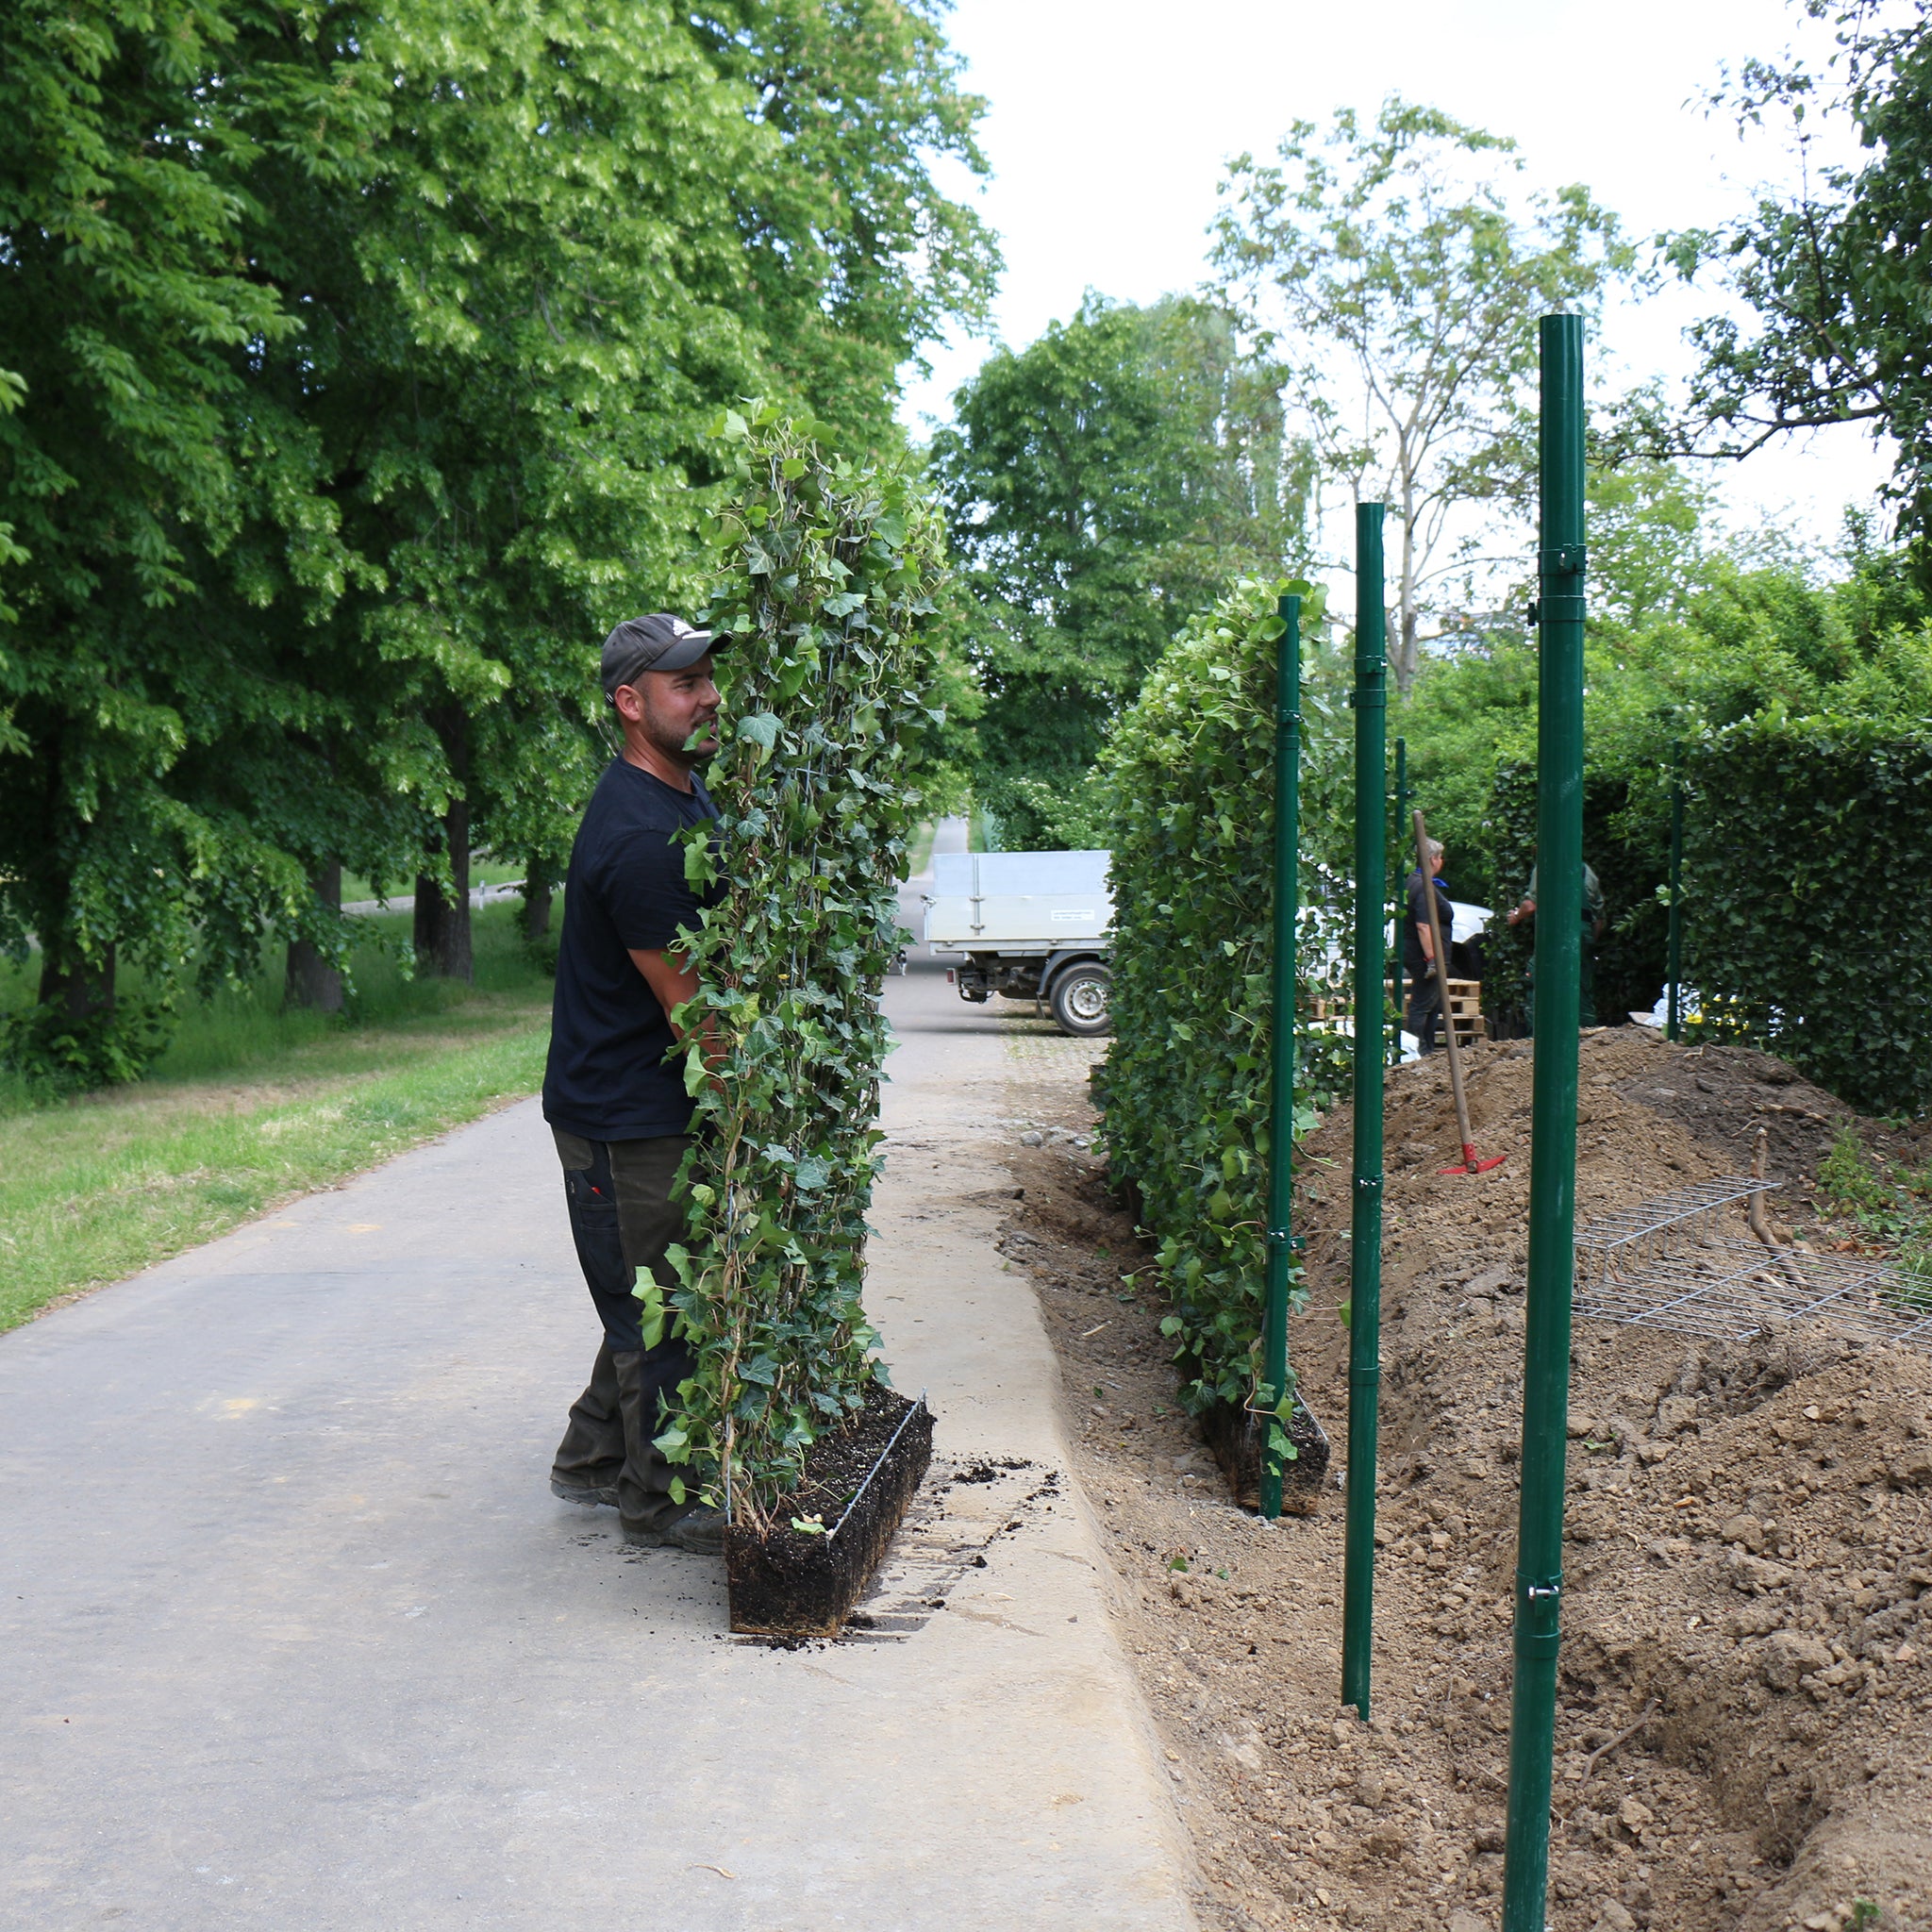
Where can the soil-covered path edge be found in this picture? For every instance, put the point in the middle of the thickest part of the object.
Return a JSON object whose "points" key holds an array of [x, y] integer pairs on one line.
{"points": [[295, 1635]]}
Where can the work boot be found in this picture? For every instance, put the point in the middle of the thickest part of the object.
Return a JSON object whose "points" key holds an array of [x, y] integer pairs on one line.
{"points": [[588, 1460], [646, 1510], [696, 1528]]}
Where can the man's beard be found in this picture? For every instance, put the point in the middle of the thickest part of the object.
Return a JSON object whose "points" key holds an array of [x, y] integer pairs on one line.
{"points": [[666, 740]]}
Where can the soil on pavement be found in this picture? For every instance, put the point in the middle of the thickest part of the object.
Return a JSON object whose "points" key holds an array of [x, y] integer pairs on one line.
{"points": [[1746, 1693]]}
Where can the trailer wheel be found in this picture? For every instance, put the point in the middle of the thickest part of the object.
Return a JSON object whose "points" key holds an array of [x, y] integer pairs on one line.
{"points": [[1078, 999]]}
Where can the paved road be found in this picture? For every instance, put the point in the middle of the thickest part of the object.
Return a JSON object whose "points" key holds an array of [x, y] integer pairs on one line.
{"points": [[292, 1635]]}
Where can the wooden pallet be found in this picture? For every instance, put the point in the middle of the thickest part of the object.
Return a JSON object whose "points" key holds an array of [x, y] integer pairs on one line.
{"points": [[1465, 1010]]}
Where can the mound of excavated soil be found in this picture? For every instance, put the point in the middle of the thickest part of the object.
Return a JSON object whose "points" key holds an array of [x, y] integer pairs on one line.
{"points": [[1745, 1739]]}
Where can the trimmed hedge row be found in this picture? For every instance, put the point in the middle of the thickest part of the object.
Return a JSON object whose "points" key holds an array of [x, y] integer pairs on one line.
{"points": [[1183, 1089], [1807, 877]]}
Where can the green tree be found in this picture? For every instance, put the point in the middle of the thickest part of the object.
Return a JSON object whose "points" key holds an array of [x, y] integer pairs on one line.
{"points": [[571, 229], [1650, 541], [1837, 282], [854, 256], [360, 358], [1400, 284], [511, 234], [132, 465], [1100, 485]]}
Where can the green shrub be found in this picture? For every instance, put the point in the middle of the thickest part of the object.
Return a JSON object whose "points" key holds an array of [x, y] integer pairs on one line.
{"points": [[1807, 857], [1847, 1181], [1184, 1090], [827, 573], [62, 1052]]}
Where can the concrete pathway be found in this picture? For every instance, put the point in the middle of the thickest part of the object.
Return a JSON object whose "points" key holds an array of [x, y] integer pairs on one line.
{"points": [[292, 1635]]}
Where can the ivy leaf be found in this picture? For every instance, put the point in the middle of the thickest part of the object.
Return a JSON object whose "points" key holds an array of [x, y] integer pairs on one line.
{"points": [[651, 1321]]}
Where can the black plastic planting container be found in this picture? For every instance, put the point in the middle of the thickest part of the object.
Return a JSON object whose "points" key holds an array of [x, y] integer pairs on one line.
{"points": [[787, 1582], [1234, 1434]]}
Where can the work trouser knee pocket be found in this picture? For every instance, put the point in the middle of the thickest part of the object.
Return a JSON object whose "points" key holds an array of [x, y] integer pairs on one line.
{"points": [[596, 1230], [622, 1218]]}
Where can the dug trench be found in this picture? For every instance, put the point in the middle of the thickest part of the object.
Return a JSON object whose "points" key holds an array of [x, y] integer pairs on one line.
{"points": [[1744, 1738]]}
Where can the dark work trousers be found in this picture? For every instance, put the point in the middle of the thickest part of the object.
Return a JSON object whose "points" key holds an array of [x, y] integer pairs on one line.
{"points": [[1425, 1011], [622, 1218], [1586, 983]]}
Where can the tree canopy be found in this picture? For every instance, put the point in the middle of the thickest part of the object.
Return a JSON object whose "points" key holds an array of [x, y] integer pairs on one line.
{"points": [[356, 363], [1398, 280], [1837, 282], [140, 474], [1102, 484]]}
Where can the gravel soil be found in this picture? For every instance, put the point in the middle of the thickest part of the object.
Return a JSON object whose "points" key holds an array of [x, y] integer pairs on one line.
{"points": [[1745, 1734]]}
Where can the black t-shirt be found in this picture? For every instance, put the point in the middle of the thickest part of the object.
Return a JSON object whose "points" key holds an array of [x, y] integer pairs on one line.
{"points": [[1412, 959], [606, 1079]]}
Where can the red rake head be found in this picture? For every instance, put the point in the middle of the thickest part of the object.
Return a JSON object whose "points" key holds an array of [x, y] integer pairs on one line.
{"points": [[1470, 1165]]}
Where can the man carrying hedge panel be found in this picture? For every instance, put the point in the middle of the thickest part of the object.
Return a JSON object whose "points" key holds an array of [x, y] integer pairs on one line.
{"points": [[613, 1091]]}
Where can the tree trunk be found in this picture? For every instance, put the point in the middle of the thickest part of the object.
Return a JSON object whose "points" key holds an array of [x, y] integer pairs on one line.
{"points": [[442, 926], [310, 980], [1405, 660], [78, 989], [539, 893]]}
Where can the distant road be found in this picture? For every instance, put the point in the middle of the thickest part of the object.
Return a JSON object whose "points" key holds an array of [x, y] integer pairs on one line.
{"points": [[406, 902]]}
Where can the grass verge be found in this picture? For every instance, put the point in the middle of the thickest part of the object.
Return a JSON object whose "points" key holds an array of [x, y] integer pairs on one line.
{"points": [[253, 1106], [921, 855]]}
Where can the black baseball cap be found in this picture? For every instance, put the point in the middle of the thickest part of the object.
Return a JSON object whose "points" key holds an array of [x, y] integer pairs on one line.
{"points": [[657, 643]]}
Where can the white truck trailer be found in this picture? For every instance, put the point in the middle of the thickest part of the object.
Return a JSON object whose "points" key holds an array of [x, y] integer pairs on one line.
{"points": [[1028, 925]]}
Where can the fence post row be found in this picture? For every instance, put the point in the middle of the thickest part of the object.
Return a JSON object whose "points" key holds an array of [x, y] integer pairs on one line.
{"points": [[1365, 1244], [1399, 901], [1273, 1392], [1674, 951], [1560, 562]]}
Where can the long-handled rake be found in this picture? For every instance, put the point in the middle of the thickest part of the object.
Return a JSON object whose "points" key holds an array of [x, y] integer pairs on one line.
{"points": [[1470, 1163]]}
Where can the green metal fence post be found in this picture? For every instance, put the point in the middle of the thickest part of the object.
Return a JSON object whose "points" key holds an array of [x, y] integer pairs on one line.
{"points": [[1287, 705], [1365, 1248], [1673, 1025], [1399, 903], [1552, 1123]]}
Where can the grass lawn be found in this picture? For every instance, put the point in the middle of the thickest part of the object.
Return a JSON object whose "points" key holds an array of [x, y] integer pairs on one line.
{"points": [[252, 1106], [921, 855]]}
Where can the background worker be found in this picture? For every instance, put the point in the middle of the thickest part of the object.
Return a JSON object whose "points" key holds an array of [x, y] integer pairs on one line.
{"points": [[1585, 948], [1419, 948], [614, 1090]]}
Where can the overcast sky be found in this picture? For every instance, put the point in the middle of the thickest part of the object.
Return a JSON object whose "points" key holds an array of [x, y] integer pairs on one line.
{"points": [[1109, 124]]}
